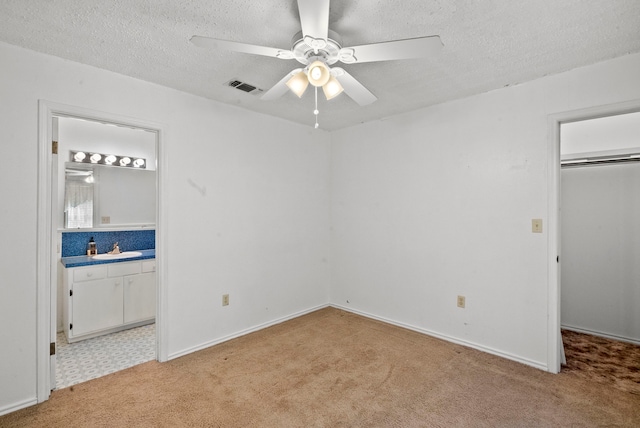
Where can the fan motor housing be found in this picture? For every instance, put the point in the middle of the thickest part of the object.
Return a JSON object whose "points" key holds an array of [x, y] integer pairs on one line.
{"points": [[302, 51]]}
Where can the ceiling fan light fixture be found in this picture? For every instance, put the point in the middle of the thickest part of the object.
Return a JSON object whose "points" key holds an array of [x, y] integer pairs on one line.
{"points": [[318, 48], [332, 88], [318, 73], [298, 83]]}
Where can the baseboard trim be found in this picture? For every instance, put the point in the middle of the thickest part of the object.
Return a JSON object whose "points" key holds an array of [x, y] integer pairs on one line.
{"points": [[243, 332], [18, 406], [601, 334], [508, 356], [492, 351]]}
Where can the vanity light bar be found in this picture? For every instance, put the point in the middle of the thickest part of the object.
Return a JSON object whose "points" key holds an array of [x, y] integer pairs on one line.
{"points": [[106, 159]]}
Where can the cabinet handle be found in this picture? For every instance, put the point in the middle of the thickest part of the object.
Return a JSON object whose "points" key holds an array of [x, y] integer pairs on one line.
{"points": [[89, 274]]}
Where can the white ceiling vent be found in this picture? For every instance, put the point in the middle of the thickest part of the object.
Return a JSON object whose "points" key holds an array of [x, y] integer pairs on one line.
{"points": [[245, 87]]}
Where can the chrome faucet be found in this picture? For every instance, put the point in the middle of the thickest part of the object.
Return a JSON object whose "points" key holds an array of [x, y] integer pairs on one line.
{"points": [[116, 249]]}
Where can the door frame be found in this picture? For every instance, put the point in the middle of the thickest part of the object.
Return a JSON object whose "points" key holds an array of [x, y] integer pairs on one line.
{"points": [[46, 228], [555, 349]]}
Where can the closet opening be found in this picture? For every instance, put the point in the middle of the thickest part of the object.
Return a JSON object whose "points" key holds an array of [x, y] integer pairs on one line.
{"points": [[600, 243]]}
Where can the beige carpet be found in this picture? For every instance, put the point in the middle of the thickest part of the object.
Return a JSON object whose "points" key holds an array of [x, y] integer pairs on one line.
{"points": [[334, 369]]}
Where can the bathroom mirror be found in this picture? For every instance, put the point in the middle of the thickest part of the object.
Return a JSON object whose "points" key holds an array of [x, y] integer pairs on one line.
{"points": [[78, 198], [106, 196]]}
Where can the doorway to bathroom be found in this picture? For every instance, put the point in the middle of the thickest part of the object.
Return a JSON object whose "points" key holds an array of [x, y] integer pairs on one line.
{"points": [[106, 181], [117, 202]]}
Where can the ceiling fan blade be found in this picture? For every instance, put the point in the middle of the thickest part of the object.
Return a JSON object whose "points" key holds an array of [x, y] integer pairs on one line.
{"points": [[280, 88], [314, 18], [353, 88], [208, 42], [420, 47]]}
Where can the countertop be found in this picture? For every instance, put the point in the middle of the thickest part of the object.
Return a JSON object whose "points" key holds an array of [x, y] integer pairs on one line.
{"points": [[76, 261]]}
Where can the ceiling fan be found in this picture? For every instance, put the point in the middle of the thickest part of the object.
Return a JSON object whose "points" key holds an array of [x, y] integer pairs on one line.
{"points": [[317, 48]]}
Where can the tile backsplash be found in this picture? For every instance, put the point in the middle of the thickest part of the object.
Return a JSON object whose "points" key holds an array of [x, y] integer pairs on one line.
{"points": [[75, 243]]}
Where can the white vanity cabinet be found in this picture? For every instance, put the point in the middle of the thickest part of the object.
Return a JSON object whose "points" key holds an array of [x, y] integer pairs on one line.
{"points": [[105, 298], [140, 294], [97, 305]]}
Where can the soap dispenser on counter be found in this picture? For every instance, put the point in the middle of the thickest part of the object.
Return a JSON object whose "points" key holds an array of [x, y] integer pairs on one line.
{"points": [[92, 250]]}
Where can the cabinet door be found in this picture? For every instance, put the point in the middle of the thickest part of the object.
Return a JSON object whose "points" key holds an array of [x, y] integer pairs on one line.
{"points": [[97, 305], [139, 297]]}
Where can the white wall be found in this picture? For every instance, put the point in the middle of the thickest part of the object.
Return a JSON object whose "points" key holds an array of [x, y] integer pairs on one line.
{"points": [[438, 203], [247, 209], [601, 250], [619, 133]]}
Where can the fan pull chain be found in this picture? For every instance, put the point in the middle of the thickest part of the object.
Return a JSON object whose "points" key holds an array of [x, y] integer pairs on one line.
{"points": [[316, 110]]}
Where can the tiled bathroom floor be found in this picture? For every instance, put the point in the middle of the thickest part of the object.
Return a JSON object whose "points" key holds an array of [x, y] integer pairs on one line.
{"points": [[92, 358]]}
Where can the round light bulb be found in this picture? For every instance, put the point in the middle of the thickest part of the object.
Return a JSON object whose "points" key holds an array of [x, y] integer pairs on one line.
{"points": [[318, 73]]}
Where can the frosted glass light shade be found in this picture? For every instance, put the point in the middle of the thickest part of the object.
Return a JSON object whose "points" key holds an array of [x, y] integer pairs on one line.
{"points": [[332, 88], [298, 83], [318, 73]]}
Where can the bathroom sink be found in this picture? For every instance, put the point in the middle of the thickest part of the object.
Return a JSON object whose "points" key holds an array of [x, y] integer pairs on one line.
{"points": [[123, 255]]}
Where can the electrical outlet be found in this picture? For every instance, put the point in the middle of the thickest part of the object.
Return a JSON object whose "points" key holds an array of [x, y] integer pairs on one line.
{"points": [[105, 219], [461, 301], [225, 300], [536, 225]]}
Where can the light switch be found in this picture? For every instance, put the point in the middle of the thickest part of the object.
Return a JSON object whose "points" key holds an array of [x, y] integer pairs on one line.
{"points": [[536, 225]]}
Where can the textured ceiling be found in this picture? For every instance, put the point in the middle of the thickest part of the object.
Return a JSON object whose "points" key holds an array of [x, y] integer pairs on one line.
{"points": [[487, 45]]}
